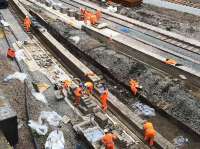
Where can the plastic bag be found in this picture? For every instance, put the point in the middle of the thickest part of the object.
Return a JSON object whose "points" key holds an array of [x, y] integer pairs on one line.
{"points": [[17, 75], [75, 39], [20, 55], [40, 97], [39, 128], [55, 140], [180, 141], [52, 118], [144, 109], [112, 9]]}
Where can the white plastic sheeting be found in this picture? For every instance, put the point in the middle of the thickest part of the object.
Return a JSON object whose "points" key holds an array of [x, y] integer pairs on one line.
{"points": [[55, 140], [20, 55], [17, 75], [75, 39], [39, 97], [112, 9], [51, 117], [39, 128]]}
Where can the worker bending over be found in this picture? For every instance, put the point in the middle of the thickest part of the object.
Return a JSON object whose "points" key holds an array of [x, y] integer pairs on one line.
{"points": [[11, 53], [134, 86], [108, 140], [89, 87], [149, 133], [78, 93], [104, 99], [27, 23]]}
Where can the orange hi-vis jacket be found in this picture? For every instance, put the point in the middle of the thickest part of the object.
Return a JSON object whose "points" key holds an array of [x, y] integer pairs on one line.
{"points": [[108, 140], [27, 23], [11, 53], [148, 125], [170, 62], [78, 91], [104, 99], [134, 86], [150, 134]]}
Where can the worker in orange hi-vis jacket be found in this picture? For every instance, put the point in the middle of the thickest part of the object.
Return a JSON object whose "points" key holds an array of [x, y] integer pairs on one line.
{"points": [[78, 93], [89, 86], [172, 62], [108, 140], [134, 86], [27, 23], [104, 99]]}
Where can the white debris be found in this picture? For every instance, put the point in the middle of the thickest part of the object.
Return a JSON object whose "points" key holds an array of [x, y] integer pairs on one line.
{"points": [[4, 23], [144, 109], [102, 25], [182, 77], [20, 55], [39, 128], [51, 117], [112, 9], [17, 75], [75, 39], [55, 140], [39, 96], [180, 141]]}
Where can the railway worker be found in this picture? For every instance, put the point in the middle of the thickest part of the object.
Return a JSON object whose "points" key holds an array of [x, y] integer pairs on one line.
{"points": [[11, 53], [149, 136], [108, 140], [27, 23], [78, 93], [93, 19], [67, 84], [104, 99], [89, 87], [134, 86], [172, 62]]}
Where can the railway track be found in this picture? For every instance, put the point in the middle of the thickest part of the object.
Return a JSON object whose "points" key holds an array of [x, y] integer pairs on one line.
{"points": [[164, 44], [186, 3]]}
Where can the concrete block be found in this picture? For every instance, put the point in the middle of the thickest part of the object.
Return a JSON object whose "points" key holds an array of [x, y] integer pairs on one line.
{"points": [[83, 109], [101, 119]]}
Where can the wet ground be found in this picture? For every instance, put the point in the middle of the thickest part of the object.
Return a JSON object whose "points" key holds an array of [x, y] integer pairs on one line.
{"points": [[161, 91]]}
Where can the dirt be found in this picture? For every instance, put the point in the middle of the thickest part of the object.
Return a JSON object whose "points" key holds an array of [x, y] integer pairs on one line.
{"points": [[15, 91], [161, 91]]}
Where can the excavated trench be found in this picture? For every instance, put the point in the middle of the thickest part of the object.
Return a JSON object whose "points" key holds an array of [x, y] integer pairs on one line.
{"points": [[167, 95]]}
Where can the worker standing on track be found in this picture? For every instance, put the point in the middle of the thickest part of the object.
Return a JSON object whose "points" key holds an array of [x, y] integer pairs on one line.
{"points": [[78, 93], [104, 99], [108, 140], [89, 86], [27, 23], [134, 86], [149, 133], [11, 53]]}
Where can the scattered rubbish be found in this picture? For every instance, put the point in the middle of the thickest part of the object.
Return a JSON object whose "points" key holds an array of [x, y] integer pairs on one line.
{"points": [[112, 9], [20, 55], [17, 75], [180, 141], [39, 128], [144, 109], [75, 39], [182, 77], [93, 134], [40, 97], [4, 23], [65, 119], [52, 118], [55, 140], [40, 87]]}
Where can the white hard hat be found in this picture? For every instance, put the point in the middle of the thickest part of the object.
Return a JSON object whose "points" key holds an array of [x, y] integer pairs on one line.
{"points": [[105, 130]]}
